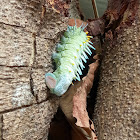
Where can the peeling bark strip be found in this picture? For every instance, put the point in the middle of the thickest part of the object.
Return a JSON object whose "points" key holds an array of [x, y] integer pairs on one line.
{"points": [[118, 12]]}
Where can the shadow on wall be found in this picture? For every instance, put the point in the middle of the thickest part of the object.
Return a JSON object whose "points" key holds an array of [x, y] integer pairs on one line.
{"points": [[87, 9]]}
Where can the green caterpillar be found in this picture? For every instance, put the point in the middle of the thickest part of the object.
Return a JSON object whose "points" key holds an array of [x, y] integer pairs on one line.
{"points": [[71, 52]]}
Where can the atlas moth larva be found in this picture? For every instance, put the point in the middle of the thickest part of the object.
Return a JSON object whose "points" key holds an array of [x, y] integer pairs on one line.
{"points": [[71, 53]]}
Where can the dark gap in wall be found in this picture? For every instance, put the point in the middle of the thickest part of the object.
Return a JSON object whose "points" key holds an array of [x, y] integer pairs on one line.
{"points": [[60, 129], [91, 99]]}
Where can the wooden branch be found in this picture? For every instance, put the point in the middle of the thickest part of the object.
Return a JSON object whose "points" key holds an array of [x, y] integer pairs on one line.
{"points": [[95, 9]]}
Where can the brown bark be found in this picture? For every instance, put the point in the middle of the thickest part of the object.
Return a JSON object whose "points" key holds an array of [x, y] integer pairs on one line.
{"points": [[28, 33], [117, 108]]}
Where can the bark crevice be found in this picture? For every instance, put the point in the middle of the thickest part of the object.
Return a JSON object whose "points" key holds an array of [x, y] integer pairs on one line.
{"points": [[13, 25], [32, 63], [1, 126]]}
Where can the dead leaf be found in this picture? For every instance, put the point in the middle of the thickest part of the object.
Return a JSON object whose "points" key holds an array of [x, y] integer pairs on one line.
{"points": [[96, 26], [78, 22], [73, 105], [59, 6]]}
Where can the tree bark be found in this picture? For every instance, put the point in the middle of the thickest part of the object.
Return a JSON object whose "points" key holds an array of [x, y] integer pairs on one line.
{"points": [[28, 33], [117, 108]]}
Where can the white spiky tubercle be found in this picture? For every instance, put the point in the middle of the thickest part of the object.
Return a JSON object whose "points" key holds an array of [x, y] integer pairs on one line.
{"points": [[71, 53]]}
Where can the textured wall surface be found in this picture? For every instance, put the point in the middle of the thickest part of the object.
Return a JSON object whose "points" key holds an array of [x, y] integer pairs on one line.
{"points": [[117, 111], [27, 40]]}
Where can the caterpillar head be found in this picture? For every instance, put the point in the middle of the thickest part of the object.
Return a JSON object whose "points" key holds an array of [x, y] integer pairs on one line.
{"points": [[57, 85]]}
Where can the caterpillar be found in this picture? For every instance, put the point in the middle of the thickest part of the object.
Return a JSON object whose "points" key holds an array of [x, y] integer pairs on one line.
{"points": [[70, 54]]}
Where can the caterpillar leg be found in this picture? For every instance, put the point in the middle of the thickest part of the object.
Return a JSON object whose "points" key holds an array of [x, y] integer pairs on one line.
{"points": [[63, 83], [56, 57]]}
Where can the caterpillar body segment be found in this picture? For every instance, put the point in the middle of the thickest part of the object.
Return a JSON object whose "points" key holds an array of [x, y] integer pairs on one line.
{"points": [[72, 51]]}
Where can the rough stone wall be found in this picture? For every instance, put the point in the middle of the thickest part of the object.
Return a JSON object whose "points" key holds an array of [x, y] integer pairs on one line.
{"points": [[117, 111], [27, 40]]}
